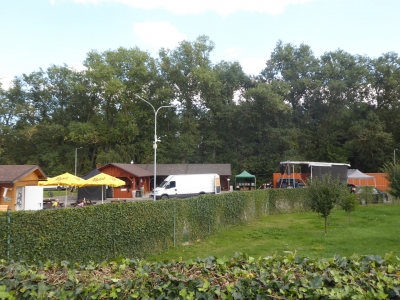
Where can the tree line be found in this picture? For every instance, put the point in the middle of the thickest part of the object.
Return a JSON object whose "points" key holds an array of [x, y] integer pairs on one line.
{"points": [[337, 107]]}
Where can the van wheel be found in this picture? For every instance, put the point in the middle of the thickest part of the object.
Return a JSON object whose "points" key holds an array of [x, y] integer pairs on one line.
{"points": [[164, 197]]}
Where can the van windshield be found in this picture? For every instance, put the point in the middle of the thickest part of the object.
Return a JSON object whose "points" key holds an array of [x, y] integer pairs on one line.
{"points": [[163, 184]]}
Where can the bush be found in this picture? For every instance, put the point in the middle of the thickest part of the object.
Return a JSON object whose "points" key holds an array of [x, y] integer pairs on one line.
{"points": [[242, 277], [133, 229]]}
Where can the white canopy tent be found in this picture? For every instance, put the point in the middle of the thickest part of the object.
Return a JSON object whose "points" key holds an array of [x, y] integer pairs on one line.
{"points": [[356, 174]]}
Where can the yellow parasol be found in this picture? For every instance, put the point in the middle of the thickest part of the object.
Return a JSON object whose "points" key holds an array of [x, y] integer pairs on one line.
{"points": [[104, 179], [63, 179]]}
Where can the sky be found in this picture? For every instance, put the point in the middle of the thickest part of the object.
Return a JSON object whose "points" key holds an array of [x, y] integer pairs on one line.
{"points": [[35, 34]]}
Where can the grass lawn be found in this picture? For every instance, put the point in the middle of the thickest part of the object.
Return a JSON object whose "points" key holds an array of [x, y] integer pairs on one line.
{"points": [[373, 229], [55, 193]]}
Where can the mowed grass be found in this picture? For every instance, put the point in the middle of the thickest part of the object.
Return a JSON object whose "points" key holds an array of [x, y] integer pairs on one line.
{"points": [[55, 193], [372, 230]]}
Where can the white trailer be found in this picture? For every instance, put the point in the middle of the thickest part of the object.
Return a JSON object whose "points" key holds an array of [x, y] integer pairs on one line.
{"points": [[187, 185]]}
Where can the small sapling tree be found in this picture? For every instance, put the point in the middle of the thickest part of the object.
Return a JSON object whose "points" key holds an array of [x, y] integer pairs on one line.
{"points": [[348, 203], [323, 194]]}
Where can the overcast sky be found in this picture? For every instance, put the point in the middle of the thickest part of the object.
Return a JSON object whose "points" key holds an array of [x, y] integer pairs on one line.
{"points": [[38, 33]]}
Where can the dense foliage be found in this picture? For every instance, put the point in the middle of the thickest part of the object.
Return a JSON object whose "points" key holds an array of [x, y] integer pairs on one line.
{"points": [[289, 277], [393, 176], [338, 108], [135, 229]]}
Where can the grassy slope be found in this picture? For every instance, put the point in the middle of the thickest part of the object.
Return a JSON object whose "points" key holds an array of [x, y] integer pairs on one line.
{"points": [[373, 229]]}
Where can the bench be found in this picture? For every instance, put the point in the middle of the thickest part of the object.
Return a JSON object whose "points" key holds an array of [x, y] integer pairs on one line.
{"points": [[4, 207], [87, 202], [119, 200]]}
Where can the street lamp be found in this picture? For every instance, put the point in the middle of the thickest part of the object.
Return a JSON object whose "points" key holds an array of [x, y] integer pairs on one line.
{"points": [[76, 157], [394, 156], [155, 141]]}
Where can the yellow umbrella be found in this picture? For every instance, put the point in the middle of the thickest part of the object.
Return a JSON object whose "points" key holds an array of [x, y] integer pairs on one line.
{"points": [[104, 179], [63, 179]]}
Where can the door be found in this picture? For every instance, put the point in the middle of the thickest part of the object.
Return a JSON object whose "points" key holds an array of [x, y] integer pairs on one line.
{"points": [[217, 188], [33, 198], [172, 190]]}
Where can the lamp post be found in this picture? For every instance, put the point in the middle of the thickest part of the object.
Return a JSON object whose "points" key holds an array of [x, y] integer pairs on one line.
{"points": [[76, 157], [394, 156], [155, 141]]}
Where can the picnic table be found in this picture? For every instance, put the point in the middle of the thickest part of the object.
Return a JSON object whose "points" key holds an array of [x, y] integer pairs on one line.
{"points": [[50, 201], [118, 200]]}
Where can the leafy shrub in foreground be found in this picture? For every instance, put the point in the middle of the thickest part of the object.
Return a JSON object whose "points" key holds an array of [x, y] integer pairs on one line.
{"points": [[288, 277]]}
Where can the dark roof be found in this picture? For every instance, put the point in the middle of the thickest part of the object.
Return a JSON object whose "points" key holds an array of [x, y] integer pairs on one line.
{"points": [[91, 174], [10, 174], [175, 169], [131, 168]]}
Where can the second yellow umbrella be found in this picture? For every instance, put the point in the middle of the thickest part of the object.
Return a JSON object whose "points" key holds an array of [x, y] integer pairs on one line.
{"points": [[104, 179]]}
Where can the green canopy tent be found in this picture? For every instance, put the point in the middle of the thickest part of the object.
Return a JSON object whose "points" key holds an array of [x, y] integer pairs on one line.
{"points": [[245, 181]]}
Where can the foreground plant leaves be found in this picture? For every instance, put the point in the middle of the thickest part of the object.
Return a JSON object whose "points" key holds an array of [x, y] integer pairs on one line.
{"points": [[360, 277]]}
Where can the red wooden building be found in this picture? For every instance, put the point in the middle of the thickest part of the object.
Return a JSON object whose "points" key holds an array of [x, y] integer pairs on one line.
{"points": [[134, 176]]}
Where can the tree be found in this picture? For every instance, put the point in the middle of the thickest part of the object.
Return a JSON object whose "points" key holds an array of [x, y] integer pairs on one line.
{"points": [[369, 141], [270, 134], [348, 203], [323, 194], [188, 72], [393, 175]]}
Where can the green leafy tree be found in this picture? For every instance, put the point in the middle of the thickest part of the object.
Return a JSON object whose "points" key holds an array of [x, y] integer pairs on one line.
{"points": [[217, 128], [188, 72], [369, 140], [348, 203], [266, 119], [393, 176], [323, 194]]}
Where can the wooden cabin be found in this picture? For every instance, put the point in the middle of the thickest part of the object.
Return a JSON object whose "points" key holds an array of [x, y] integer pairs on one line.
{"points": [[13, 181], [136, 179]]}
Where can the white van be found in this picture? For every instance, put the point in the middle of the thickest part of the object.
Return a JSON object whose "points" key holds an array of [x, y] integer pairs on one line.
{"points": [[187, 185]]}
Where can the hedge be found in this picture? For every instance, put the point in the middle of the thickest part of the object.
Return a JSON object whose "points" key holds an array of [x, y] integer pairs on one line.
{"points": [[134, 229]]}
